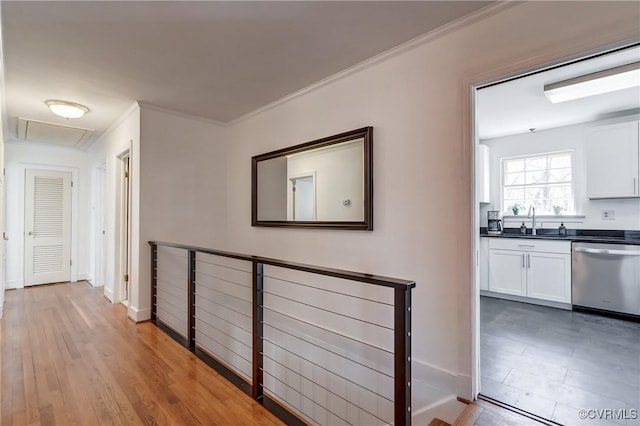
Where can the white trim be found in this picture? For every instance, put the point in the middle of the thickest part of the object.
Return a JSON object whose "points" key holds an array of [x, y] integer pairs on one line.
{"points": [[118, 222], [439, 378], [15, 284], [22, 166], [447, 408], [464, 386], [138, 315], [521, 69], [83, 277], [146, 105], [439, 32], [132, 108], [108, 293], [546, 155]]}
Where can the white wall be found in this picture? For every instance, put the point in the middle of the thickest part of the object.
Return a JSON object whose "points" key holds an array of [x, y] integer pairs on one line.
{"points": [[2, 203], [338, 173], [19, 157], [627, 211], [183, 188], [123, 136], [418, 102]]}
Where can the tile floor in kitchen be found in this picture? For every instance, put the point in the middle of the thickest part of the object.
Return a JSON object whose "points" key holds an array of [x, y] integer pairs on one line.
{"points": [[553, 362]]}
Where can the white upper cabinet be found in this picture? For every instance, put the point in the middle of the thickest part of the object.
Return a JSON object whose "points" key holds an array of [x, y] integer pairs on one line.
{"points": [[613, 161], [483, 189]]}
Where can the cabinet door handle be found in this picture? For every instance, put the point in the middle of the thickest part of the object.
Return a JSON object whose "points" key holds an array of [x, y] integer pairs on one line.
{"points": [[523, 260], [529, 260], [526, 245]]}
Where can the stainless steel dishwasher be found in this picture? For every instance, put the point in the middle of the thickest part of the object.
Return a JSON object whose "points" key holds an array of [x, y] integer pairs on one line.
{"points": [[606, 276]]}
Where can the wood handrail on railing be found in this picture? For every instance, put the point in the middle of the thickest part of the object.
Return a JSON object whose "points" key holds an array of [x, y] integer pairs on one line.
{"points": [[401, 324]]}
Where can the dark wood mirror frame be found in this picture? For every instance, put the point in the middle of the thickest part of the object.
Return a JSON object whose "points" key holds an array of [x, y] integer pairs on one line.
{"points": [[365, 133]]}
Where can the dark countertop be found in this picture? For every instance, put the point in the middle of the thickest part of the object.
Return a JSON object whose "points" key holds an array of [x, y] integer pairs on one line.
{"points": [[577, 235]]}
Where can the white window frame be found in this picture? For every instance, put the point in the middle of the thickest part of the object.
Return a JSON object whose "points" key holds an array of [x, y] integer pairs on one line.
{"points": [[572, 211]]}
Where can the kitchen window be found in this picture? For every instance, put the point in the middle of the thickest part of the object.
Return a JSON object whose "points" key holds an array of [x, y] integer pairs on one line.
{"points": [[542, 180]]}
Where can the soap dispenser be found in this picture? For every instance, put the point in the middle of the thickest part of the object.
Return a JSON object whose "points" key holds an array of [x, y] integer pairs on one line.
{"points": [[523, 229], [562, 230]]}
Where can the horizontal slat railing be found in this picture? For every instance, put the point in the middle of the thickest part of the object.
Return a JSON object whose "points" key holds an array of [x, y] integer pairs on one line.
{"points": [[314, 345]]}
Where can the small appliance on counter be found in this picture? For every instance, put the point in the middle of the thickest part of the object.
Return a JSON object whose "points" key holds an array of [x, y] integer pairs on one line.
{"points": [[494, 222]]}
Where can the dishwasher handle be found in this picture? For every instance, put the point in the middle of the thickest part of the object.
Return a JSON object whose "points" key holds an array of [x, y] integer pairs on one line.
{"points": [[608, 251]]}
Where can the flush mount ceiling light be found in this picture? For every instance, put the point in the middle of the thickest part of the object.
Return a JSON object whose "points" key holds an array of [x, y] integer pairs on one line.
{"points": [[66, 109], [606, 81]]}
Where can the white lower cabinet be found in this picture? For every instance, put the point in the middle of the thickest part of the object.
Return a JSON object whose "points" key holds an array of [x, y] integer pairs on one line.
{"points": [[538, 269], [507, 273], [549, 276]]}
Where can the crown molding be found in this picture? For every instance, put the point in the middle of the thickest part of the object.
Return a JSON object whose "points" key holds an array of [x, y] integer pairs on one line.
{"points": [[134, 106], [152, 107], [439, 32]]}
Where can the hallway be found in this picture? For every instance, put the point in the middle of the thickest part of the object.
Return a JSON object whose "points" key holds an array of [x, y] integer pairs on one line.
{"points": [[68, 356]]}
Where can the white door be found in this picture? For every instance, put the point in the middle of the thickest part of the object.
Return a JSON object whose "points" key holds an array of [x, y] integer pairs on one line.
{"points": [[100, 251], [507, 273], [47, 242], [303, 197]]}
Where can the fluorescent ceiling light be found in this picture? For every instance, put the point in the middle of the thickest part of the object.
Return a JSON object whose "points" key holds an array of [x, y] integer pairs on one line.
{"points": [[606, 81], [66, 109]]}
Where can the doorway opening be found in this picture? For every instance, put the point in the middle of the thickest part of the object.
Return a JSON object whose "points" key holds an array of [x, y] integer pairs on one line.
{"points": [[302, 197], [99, 226], [536, 166], [124, 232]]}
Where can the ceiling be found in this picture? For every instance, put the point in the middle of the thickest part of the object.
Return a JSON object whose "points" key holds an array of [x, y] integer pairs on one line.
{"points": [[217, 60], [520, 105]]}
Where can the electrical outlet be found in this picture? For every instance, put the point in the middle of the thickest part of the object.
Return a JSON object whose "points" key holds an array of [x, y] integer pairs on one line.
{"points": [[608, 214]]}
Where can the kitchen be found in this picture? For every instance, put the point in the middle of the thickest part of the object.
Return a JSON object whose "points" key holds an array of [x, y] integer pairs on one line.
{"points": [[559, 250]]}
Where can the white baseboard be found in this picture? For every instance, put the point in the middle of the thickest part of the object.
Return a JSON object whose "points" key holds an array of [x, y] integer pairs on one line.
{"points": [[14, 284], [464, 388], [447, 409], [138, 315], [108, 293], [80, 277], [444, 380], [435, 393]]}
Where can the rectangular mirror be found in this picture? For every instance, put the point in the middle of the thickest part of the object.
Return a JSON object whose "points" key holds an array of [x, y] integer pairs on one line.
{"points": [[326, 183]]}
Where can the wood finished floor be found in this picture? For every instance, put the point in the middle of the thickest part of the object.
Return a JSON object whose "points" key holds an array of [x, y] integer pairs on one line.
{"points": [[69, 357]]}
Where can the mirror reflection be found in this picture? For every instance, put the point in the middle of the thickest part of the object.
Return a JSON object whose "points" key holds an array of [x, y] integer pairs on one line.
{"points": [[326, 182]]}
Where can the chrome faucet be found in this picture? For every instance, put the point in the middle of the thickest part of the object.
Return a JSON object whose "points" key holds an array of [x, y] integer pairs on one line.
{"points": [[533, 222]]}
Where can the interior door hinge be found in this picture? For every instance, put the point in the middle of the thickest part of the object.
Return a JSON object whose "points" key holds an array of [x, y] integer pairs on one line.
{"points": [[126, 278], [72, 184], [70, 262], [126, 175]]}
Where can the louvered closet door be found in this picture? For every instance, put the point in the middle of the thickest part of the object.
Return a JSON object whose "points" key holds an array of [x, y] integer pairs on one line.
{"points": [[47, 222]]}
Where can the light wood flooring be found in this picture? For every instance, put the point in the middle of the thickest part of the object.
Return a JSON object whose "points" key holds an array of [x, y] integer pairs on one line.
{"points": [[482, 413], [70, 357]]}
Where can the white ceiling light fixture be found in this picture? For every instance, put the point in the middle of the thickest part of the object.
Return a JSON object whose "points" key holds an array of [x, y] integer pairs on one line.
{"points": [[66, 109], [618, 78]]}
